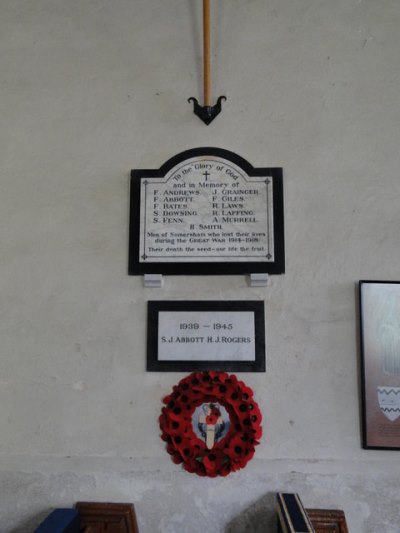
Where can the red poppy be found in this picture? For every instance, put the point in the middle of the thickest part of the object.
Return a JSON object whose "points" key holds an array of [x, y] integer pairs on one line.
{"points": [[225, 469], [212, 461], [258, 433], [176, 458]]}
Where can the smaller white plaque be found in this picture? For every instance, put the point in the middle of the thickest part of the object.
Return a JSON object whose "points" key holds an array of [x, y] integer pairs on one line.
{"points": [[206, 335], [224, 336]]}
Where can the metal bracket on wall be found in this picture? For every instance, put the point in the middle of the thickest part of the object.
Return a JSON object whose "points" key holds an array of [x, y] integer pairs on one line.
{"points": [[207, 113], [153, 281], [259, 280]]}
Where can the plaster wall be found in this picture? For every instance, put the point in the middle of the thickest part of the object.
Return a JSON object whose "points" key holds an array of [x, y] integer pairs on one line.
{"points": [[91, 89]]}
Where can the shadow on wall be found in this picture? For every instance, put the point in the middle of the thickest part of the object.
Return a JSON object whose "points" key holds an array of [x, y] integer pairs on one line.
{"points": [[258, 518], [31, 523]]}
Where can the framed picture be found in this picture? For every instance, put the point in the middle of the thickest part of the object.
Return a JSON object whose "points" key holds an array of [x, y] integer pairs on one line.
{"points": [[185, 336], [380, 363]]}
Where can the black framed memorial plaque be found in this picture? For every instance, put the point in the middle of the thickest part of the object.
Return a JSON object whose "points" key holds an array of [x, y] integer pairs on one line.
{"points": [[183, 336], [380, 363], [206, 211]]}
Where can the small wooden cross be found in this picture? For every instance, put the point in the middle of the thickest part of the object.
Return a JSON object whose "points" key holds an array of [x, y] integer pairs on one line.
{"points": [[210, 420]]}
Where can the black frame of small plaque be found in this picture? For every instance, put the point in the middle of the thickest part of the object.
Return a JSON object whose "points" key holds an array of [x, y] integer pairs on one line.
{"points": [[153, 310], [222, 267]]}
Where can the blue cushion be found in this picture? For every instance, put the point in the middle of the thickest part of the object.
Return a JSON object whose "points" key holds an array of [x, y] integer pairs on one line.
{"points": [[60, 521]]}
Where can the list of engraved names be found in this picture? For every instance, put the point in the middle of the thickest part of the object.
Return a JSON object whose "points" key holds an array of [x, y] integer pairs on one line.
{"points": [[206, 209]]}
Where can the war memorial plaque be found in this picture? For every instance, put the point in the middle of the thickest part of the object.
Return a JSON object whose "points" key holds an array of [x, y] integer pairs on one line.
{"points": [[206, 335], [206, 211]]}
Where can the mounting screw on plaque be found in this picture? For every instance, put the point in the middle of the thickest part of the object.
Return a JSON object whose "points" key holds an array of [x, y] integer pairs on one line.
{"points": [[207, 113]]}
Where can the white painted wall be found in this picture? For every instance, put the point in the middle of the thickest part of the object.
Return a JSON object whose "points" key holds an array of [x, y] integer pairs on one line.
{"points": [[91, 89]]}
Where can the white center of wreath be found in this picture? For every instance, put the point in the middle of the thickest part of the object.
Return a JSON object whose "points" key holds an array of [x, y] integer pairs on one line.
{"points": [[211, 422]]}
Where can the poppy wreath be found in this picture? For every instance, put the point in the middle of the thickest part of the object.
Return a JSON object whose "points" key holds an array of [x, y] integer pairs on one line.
{"points": [[233, 451]]}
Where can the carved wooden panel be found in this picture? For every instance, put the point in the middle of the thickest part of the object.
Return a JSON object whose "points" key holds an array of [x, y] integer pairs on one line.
{"points": [[96, 517], [328, 520]]}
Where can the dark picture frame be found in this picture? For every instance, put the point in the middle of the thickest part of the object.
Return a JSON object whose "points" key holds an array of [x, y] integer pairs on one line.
{"points": [[140, 261], [379, 303], [230, 360]]}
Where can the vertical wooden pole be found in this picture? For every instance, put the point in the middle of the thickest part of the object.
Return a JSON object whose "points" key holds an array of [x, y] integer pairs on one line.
{"points": [[207, 52]]}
